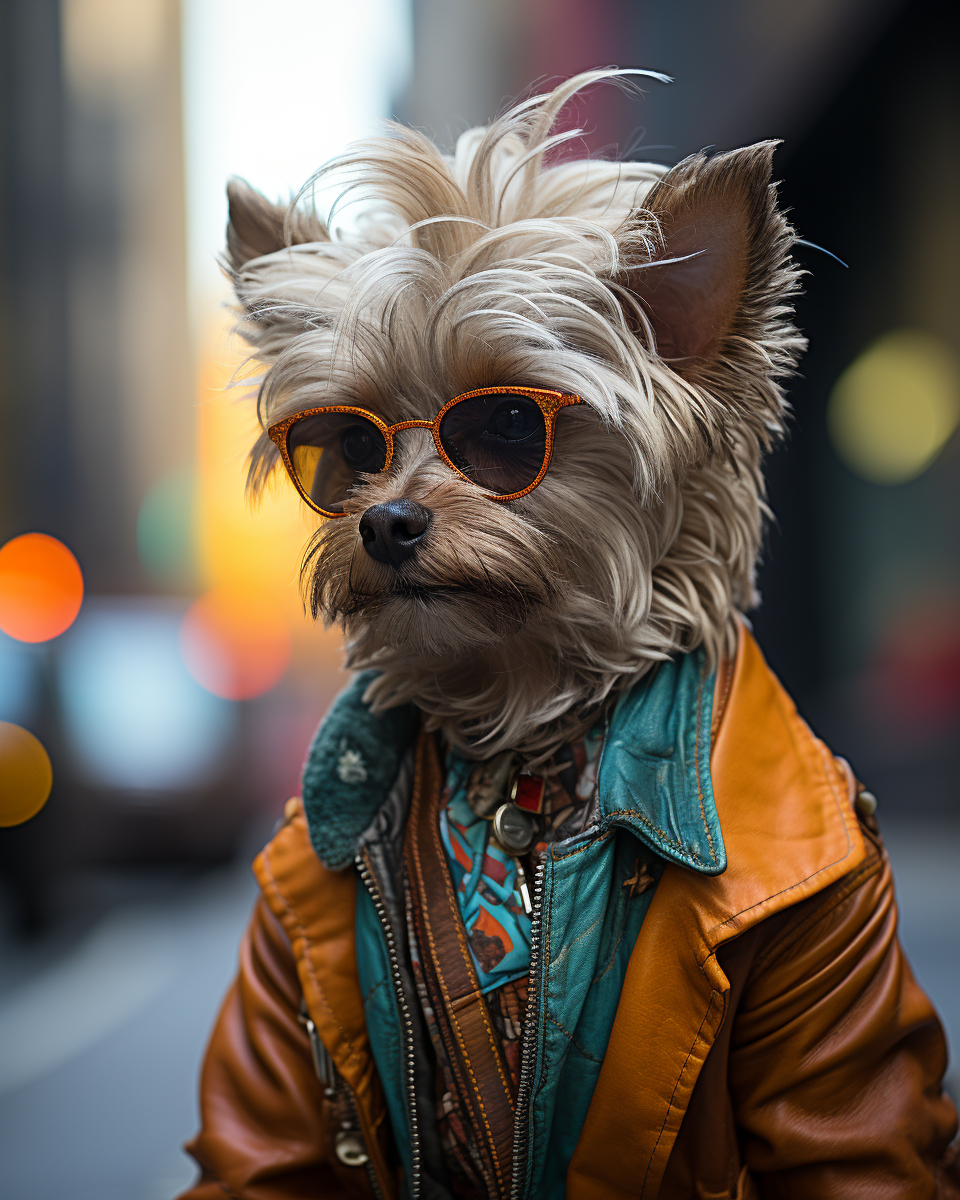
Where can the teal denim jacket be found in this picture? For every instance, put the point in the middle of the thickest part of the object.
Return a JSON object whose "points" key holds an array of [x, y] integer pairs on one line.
{"points": [[655, 805]]}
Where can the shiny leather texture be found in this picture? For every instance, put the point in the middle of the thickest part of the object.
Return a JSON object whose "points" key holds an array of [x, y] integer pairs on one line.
{"points": [[770, 1040], [267, 1131]]}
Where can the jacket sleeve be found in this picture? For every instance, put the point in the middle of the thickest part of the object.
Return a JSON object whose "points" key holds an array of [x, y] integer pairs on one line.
{"points": [[837, 1056], [266, 1127]]}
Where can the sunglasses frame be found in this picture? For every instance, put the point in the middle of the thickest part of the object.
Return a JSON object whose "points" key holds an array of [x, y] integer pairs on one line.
{"points": [[549, 403]]}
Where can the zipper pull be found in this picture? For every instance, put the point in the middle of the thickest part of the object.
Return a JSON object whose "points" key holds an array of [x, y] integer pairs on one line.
{"points": [[322, 1060], [524, 888]]}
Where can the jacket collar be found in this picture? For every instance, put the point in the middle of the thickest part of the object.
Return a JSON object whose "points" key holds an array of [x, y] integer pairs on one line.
{"points": [[654, 774], [784, 801], [654, 777], [352, 764], [785, 804]]}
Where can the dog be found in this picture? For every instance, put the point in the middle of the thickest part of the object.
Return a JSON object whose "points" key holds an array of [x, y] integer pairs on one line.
{"points": [[530, 393]]}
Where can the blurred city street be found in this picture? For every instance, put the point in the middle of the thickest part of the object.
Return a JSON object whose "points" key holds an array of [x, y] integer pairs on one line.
{"points": [[103, 1038], [160, 676]]}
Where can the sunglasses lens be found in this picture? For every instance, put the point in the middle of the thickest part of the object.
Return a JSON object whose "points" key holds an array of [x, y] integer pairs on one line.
{"points": [[499, 441], [329, 452]]}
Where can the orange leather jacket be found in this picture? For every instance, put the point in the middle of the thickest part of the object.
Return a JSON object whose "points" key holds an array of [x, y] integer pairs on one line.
{"points": [[770, 1039]]}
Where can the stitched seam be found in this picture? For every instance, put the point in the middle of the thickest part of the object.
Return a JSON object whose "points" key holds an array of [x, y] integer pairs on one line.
{"points": [[578, 938], [373, 991], [559, 858], [613, 955], [448, 1034], [703, 812], [417, 783], [680, 847], [800, 882], [666, 1115], [567, 1034], [819, 913], [727, 668], [302, 935]]}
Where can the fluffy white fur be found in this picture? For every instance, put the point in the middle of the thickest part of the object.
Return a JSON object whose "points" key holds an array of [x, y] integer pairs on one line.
{"points": [[661, 297]]}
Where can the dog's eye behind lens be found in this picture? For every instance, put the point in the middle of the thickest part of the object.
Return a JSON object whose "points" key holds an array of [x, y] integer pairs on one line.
{"points": [[330, 450], [361, 449], [499, 441], [516, 419]]}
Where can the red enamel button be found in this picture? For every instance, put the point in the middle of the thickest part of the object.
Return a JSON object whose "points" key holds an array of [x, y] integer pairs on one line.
{"points": [[528, 793]]}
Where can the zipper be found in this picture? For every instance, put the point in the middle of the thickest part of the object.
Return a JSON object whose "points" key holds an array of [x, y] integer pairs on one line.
{"points": [[366, 874], [355, 1121], [336, 1088], [528, 1048]]}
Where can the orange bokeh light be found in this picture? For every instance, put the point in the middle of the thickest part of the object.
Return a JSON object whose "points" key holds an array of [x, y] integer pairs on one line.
{"points": [[236, 643], [41, 587], [25, 775]]}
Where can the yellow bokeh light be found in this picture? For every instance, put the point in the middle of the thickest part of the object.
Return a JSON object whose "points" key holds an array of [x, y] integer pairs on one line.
{"points": [[242, 547], [26, 776], [893, 409]]}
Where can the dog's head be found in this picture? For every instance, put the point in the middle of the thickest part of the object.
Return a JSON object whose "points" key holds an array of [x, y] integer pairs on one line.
{"points": [[659, 297]]}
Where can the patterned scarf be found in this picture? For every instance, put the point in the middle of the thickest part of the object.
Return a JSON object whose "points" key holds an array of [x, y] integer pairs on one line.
{"points": [[485, 875]]}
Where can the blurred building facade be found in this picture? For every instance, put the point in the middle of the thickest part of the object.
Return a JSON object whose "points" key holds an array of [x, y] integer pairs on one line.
{"points": [[97, 376]]}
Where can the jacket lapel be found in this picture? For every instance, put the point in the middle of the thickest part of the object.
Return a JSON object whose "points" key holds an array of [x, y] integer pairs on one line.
{"points": [[789, 831], [317, 908]]}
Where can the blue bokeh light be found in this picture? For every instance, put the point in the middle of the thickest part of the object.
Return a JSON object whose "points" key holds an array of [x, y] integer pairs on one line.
{"points": [[20, 670], [133, 715]]}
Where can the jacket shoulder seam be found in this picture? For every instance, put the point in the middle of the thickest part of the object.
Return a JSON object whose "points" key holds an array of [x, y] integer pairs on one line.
{"points": [[827, 867], [827, 903]]}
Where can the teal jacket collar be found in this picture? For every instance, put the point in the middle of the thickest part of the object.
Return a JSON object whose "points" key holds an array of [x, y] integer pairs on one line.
{"points": [[654, 777]]}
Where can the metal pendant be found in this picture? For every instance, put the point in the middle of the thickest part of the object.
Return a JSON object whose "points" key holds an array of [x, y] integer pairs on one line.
{"points": [[515, 829], [350, 1149]]}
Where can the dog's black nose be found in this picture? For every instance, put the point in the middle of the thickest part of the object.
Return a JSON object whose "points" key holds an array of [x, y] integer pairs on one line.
{"points": [[392, 532]]}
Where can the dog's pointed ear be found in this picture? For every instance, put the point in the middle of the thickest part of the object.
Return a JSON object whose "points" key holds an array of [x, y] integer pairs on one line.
{"points": [[257, 227], [707, 259]]}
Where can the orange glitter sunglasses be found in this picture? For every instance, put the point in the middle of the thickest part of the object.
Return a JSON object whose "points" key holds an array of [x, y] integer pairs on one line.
{"points": [[498, 438]]}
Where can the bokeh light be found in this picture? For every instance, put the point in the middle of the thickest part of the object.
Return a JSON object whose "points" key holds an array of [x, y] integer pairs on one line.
{"points": [[240, 545], [165, 529], [235, 642], [20, 674], [893, 409], [41, 587], [133, 716], [26, 776], [914, 681]]}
